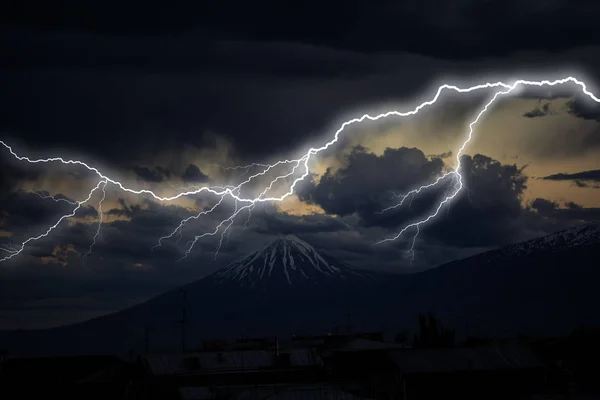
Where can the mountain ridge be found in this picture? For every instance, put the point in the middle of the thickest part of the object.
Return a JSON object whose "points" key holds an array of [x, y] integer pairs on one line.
{"points": [[578, 236], [548, 290]]}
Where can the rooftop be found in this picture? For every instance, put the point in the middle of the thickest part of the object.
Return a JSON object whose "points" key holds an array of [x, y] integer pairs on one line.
{"points": [[226, 361]]}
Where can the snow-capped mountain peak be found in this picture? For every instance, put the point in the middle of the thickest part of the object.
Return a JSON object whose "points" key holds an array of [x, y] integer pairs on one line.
{"points": [[287, 261]]}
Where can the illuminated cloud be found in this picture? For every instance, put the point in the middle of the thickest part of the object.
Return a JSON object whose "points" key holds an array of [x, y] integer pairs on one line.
{"points": [[294, 206]]}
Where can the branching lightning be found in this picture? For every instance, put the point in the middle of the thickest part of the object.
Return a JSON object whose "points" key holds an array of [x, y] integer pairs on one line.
{"points": [[300, 167], [14, 252], [44, 195], [100, 217], [456, 173]]}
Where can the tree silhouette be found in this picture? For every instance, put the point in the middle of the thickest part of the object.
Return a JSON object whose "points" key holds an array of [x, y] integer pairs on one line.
{"points": [[432, 334]]}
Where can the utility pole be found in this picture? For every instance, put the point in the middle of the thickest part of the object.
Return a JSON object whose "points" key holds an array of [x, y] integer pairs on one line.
{"points": [[183, 319]]}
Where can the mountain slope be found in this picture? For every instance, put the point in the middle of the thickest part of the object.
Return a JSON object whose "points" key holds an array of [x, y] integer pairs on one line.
{"points": [[579, 236], [544, 286]]}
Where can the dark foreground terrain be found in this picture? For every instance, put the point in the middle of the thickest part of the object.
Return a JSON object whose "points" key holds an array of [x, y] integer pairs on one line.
{"points": [[333, 366]]}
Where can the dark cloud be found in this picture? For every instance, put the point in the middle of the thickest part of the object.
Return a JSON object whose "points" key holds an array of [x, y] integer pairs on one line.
{"points": [[28, 209], [586, 184], [578, 103], [488, 211], [175, 55], [122, 269], [572, 214], [156, 174], [120, 97], [192, 174], [570, 140], [450, 30], [281, 223], [124, 262], [113, 105], [135, 239], [442, 156], [591, 175], [365, 183], [126, 210], [540, 111], [75, 106], [14, 173], [544, 206], [583, 107]]}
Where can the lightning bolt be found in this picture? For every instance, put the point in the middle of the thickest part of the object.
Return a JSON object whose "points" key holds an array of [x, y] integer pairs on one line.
{"points": [[249, 217], [45, 195], [456, 173], [14, 252], [186, 220], [100, 218], [242, 167], [300, 165]]}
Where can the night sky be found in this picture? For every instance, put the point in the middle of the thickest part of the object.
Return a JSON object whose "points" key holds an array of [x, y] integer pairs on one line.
{"points": [[167, 97]]}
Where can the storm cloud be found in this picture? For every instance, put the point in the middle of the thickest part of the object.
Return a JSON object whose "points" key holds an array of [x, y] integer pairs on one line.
{"points": [[161, 99], [591, 175], [156, 174], [367, 180], [192, 174]]}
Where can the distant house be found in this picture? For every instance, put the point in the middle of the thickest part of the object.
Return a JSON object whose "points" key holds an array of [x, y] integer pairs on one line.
{"points": [[481, 372]]}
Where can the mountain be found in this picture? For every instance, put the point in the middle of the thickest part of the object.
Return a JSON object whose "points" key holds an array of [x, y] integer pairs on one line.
{"points": [[287, 287], [543, 286], [289, 262], [579, 236]]}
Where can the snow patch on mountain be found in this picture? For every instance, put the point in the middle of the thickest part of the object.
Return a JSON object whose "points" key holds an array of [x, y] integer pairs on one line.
{"points": [[578, 236]]}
